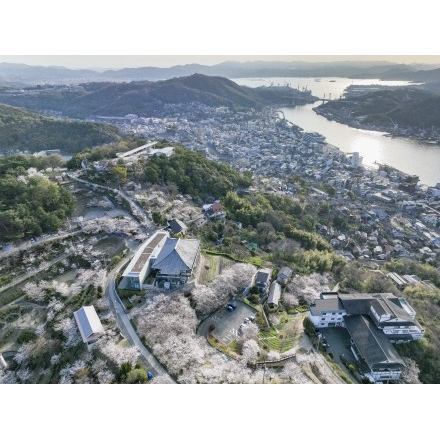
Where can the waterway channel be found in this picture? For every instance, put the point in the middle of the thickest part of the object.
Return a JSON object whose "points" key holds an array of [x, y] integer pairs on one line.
{"points": [[408, 155]]}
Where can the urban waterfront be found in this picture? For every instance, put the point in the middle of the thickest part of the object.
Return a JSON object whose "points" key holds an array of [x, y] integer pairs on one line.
{"points": [[408, 155]]}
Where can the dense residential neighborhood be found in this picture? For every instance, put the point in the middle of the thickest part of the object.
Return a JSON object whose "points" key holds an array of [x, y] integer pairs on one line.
{"points": [[201, 249]]}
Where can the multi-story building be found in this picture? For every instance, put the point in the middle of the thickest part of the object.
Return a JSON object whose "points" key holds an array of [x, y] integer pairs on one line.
{"points": [[374, 323]]}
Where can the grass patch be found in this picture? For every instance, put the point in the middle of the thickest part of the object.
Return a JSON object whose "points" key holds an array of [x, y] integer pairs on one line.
{"points": [[231, 350], [212, 266], [284, 335], [9, 295]]}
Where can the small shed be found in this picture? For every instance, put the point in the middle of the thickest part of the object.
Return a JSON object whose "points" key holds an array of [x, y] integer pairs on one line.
{"points": [[274, 294], [89, 324], [176, 226], [284, 275]]}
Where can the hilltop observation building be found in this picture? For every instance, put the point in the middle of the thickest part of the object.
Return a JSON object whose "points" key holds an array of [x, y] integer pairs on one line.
{"points": [[171, 261], [140, 265]]}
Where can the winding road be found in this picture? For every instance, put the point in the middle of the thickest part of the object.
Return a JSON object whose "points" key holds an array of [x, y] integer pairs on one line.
{"points": [[127, 330]]}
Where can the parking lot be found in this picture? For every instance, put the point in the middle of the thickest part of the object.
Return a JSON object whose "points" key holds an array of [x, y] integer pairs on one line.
{"points": [[227, 323], [338, 341]]}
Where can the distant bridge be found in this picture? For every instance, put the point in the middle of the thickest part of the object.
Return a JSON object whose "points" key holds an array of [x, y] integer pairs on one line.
{"points": [[294, 99]]}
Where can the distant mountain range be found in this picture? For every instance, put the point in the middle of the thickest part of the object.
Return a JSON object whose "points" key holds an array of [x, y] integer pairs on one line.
{"points": [[20, 75], [149, 98]]}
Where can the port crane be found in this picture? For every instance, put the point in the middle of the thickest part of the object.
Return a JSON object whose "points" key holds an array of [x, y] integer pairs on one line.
{"points": [[395, 125]]}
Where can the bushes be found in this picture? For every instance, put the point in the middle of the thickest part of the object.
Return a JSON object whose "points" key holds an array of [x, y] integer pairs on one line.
{"points": [[309, 328], [27, 335]]}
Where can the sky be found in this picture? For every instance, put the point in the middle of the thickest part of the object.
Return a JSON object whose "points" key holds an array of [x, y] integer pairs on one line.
{"points": [[163, 34], [121, 61]]}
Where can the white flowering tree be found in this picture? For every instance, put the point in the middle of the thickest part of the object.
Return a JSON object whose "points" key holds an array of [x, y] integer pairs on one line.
{"points": [[249, 331], [222, 289], [117, 353], [309, 287], [411, 372], [34, 291], [69, 328], [250, 352]]}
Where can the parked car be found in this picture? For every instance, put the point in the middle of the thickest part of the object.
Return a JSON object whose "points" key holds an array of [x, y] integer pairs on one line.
{"points": [[233, 305], [150, 375]]}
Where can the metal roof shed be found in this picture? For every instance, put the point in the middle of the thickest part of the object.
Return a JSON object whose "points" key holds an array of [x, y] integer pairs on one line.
{"points": [[89, 324]]}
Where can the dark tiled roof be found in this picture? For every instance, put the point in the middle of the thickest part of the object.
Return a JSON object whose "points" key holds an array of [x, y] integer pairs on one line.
{"points": [[356, 303], [262, 277], [374, 347], [176, 225], [177, 256], [326, 305]]}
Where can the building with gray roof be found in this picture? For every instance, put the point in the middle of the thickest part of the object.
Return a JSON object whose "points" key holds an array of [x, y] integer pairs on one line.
{"points": [[89, 324], [374, 321], [176, 261], [176, 226], [284, 275], [392, 315], [274, 294], [377, 358]]}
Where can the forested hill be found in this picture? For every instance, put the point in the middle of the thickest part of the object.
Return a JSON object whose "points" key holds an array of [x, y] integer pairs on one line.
{"points": [[24, 130], [30, 204], [403, 106], [148, 98]]}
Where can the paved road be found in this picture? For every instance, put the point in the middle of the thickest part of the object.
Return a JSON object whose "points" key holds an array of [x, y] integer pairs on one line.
{"points": [[127, 329], [136, 209]]}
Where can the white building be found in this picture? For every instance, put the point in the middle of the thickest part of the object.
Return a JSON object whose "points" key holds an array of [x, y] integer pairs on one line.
{"points": [[140, 265], [89, 324]]}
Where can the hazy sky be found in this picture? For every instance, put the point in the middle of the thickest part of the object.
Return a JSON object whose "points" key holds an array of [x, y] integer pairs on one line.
{"points": [[195, 31], [120, 61]]}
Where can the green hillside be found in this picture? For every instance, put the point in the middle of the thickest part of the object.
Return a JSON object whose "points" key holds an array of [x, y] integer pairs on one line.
{"points": [[404, 106], [24, 130], [30, 205], [149, 98]]}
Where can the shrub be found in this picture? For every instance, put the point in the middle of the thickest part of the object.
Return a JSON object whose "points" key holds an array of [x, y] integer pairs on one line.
{"points": [[26, 335]]}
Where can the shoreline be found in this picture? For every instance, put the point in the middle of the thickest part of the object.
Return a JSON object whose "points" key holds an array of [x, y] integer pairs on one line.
{"points": [[341, 119]]}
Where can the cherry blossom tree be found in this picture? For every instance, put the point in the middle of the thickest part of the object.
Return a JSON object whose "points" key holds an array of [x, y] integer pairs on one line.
{"points": [[55, 359], [292, 372], [54, 306], [250, 331], [309, 287], [273, 355], [411, 372], [223, 288], [290, 300], [69, 328], [34, 291], [67, 374], [24, 352], [250, 352], [117, 353], [7, 377]]}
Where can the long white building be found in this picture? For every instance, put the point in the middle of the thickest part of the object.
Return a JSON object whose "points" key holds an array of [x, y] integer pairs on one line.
{"points": [[140, 265], [172, 261]]}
